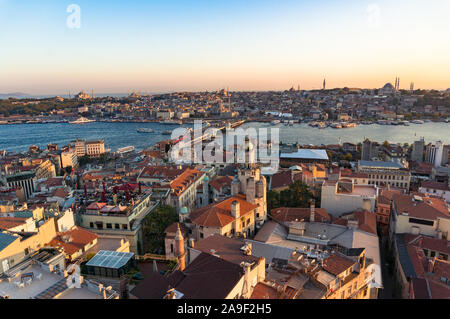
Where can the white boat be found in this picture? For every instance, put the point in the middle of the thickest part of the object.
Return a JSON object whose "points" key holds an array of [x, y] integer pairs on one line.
{"points": [[276, 122], [336, 125], [166, 133], [82, 120], [418, 122], [172, 122], [125, 150], [145, 130]]}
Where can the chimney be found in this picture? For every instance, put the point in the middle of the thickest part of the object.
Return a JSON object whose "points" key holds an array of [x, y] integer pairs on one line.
{"points": [[352, 224], [236, 209], [431, 266], [312, 212]]}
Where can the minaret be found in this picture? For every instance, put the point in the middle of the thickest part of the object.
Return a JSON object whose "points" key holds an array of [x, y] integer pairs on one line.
{"points": [[324, 84], [179, 248], [411, 87]]}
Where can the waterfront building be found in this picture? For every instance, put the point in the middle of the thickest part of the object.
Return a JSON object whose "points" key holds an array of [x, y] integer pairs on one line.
{"points": [[437, 154], [69, 158], [369, 150], [93, 148], [417, 151]]}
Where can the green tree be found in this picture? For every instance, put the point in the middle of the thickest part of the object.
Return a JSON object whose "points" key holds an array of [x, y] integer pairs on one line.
{"points": [[154, 226], [297, 195]]}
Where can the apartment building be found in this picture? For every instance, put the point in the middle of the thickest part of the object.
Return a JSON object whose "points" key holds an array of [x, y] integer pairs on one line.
{"points": [[118, 220], [344, 196], [386, 173], [95, 148], [69, 158], [90, 148], [414, 214]]}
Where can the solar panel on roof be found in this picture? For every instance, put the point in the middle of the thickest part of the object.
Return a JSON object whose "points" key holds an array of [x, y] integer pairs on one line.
{"points": [[110, 259]]}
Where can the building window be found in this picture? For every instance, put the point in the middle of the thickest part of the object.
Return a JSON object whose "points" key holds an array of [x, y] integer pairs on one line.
{"points": [[117, 226], [91, 224], [109, 226], [171, 248], [201, 235], [125, 226]]}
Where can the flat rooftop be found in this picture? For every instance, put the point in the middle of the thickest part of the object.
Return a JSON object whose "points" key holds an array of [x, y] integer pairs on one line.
{"points": [[379, 164], [307, 154], [37, 286]]}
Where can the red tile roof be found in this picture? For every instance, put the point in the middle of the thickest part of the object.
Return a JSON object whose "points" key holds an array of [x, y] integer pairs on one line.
{"points": [[79, 238], [263, 291], [367, 221], [428, 208], [219, 214], [184, 180], [220, 182], [11, 222], [336, 264], [281, 179]]}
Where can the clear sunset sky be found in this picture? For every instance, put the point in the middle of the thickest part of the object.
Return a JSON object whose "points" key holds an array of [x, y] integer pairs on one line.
{"points": [[171, 45]]}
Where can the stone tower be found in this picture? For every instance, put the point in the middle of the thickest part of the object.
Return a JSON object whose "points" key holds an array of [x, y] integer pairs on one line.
{"points": [[253, 185], [179, 249]]}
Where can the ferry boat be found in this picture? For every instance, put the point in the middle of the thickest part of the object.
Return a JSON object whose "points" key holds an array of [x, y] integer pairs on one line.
{"points": [[166, 133], [172, 122], [125, 150], [82, 120], [291, 123], [348, 125], [276, 122], [418, 122], [145, 130], [336, 125]]}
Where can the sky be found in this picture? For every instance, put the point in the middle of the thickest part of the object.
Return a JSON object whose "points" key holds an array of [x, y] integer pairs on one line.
{"points": [[198, 45]]}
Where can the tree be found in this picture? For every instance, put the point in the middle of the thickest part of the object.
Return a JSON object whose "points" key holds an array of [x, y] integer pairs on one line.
{"points": [[297, 195], [154, 226], [68, 170]]}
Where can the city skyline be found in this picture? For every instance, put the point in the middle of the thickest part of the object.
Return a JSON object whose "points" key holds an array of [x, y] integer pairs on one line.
{"points": [[198, 46]]}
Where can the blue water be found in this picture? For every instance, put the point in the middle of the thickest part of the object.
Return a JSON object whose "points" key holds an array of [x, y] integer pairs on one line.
{"points": [[304, 134], [19, 137]]}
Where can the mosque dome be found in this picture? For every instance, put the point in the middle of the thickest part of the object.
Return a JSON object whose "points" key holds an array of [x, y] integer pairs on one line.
{"points": [[388, 86]]}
